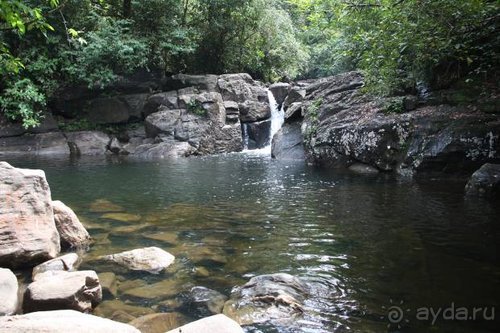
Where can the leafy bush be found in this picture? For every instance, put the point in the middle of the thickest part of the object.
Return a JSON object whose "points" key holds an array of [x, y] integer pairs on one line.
{"points": [[22, 101]]}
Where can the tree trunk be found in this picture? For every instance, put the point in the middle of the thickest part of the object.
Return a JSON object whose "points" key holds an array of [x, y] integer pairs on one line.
{"points": [[127, 8]]}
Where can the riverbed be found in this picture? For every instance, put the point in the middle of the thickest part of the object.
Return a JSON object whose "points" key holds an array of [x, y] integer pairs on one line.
{"points": [[371, 244]]}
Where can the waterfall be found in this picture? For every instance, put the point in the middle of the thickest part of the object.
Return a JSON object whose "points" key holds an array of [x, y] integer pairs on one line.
{"points": [[277, 119], [277, 115]]}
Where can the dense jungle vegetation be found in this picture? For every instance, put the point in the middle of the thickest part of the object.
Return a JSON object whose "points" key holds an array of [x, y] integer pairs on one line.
{"points": [[46, 45]]}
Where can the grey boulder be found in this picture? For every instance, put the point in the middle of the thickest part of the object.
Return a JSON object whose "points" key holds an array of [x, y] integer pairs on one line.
{"points": [[485, 182], [150, 259], [8, 292], [72, 232]]}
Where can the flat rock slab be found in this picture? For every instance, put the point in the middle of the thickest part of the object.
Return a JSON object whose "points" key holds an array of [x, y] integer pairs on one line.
{"points": [[8, 292], [28, 232], [150, 259], [57, 290], [67, 262], [214, 324], [62, 321]]}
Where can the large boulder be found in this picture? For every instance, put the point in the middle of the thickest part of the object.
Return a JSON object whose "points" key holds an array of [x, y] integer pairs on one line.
{"points": [[43, 144], [214, 324], [150, 259], [8, 292], [68, 262], [163, 122], [58, 290], [73, 234], [252, 111], [274, 297], [168, 100], [10, 128], [485, 182], [88, 142], [29, 234], [241, 88], [62, 321], [288, 143]]}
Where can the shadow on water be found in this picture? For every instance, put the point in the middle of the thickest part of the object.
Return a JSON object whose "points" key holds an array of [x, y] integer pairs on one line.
{"points": [[365, 243]]}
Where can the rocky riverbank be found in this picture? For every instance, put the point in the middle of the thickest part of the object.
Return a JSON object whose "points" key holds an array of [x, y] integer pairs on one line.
{"points": [[181, 115], [342, 127]]}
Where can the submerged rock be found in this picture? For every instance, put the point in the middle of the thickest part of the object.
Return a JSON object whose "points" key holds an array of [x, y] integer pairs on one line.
{"points": [[203, 302], [109, 284], [485, 182], [122, 217], [29, 234], [104, 206], [73, 234], [150, 259], [56, 290], [214, 324], [8, 292], [68, 262], [275, 297], [160, 290], [118, 310], [62, 321], [158, 322]]}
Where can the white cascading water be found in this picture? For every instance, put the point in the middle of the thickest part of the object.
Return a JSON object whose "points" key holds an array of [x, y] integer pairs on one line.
{"points": [[277, 120]]}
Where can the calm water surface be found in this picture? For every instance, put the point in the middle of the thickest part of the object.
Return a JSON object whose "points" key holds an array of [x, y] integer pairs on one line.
{"points": [[366, 243]]}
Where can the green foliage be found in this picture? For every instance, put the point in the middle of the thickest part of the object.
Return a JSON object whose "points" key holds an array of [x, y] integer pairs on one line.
{"points": [[393, 105], [196, 107], [23, 101]]}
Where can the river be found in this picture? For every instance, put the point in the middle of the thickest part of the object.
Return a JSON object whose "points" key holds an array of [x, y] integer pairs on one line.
{"points": [[369, 242]]}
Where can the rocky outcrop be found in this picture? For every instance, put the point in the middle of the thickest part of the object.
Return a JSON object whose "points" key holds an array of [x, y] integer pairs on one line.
{"points": [[214, 324], [28, 234], [150, 259], [280, 92], [275, 297], [61, 322], [205, 111], [73, 234], [258, 134], [485, 182], [57, 290], [68, 262], [8, 292], [342, 126]]}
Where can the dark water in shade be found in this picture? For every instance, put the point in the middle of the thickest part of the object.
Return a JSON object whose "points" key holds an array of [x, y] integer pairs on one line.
{"points": [[366, 242]]}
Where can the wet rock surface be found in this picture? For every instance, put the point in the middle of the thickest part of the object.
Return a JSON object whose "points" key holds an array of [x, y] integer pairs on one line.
{"points": [[68, 262], [276, 297]]}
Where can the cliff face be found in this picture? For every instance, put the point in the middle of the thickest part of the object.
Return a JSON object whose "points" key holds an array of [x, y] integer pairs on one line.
{"points": [[341, 126]]}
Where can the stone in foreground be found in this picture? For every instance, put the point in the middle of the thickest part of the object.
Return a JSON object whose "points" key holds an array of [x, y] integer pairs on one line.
{"points": [[150, 259], [8, 292], [62, 321], [485, 182], [275, 297], [71, 230], [67, 262], [214, 324], [28, 232], [58, 290]]}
